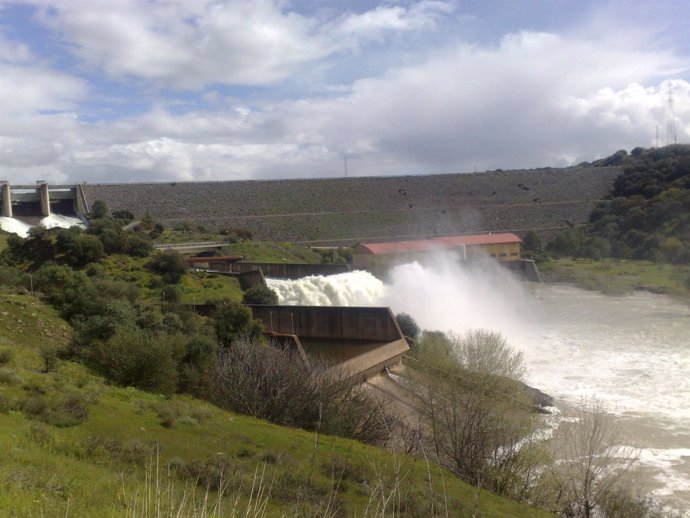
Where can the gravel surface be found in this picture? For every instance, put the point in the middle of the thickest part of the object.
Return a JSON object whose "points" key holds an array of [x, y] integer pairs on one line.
{"points": [[347, 210]]}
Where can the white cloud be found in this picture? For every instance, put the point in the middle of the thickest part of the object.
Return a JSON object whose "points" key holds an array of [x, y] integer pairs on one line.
{"points": [[533, 99], [373, 23], [29, 89], [189, 45]]}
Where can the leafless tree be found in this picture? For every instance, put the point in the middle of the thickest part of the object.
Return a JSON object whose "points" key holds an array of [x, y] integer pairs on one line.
{"points": [[274, 383], [591, 460]]}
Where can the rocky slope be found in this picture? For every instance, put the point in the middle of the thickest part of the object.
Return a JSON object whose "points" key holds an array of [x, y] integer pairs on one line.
{"points": [[348, 210]]}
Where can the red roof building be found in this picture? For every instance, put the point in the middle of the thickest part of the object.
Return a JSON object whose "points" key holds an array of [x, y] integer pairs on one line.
{"points": [[503, 246]]}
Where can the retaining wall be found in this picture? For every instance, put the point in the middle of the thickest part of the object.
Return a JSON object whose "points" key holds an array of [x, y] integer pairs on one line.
{"points": [[329, 322]]}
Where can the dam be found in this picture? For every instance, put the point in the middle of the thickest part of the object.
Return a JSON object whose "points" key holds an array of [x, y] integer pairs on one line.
{"points": [[27, 202]]}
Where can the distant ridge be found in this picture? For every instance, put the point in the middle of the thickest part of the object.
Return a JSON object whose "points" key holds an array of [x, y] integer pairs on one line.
{"points": [[348, 210]]}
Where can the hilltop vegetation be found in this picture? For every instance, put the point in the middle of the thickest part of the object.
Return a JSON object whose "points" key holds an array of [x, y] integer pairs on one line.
{"points": [[646, 215]]}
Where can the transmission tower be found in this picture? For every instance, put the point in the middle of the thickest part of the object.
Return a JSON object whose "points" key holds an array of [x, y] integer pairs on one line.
{"points": [[671, 137]]}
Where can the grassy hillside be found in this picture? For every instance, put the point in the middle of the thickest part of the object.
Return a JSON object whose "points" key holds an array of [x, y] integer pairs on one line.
{"points": [[617, 277], [72, 445]]}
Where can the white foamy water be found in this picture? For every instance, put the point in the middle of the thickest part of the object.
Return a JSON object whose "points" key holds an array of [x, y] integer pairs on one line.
{"points": [[632, 352], [60, 221], [356, 288], [15, 226]]}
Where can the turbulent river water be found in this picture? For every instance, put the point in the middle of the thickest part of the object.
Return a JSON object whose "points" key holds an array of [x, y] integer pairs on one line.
{"points": [[632, 352]]}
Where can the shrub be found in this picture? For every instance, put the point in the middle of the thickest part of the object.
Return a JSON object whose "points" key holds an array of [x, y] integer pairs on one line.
{"points": [[138, 359], [135, 451], [98, 210], [9, 377], [122, 216], [35, 405], [71, 411], [275, 384], [5, 356], [487, 352], [78, 248], [197, 363], [170, 265], [408, 326], [233, 320], [139, 246], [50, 357], [260, 294], [5, 405]]}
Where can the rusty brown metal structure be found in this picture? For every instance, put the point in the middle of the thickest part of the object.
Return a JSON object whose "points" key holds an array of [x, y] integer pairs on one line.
{"points": [[359, 340]]}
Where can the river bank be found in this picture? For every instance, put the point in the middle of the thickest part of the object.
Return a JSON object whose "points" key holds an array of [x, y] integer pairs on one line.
{"points": [[618, 277]]}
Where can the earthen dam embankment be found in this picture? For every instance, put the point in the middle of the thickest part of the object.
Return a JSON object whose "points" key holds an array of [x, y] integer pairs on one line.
{"points": [[349, 210]]}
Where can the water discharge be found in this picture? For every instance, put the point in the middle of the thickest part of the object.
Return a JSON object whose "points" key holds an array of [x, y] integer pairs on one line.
{"points": [[633, 351], [15, 226]]}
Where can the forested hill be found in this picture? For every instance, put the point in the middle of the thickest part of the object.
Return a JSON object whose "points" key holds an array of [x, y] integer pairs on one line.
{"points": [[647, 215]]}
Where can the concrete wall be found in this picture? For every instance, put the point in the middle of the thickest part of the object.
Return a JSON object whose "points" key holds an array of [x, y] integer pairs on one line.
{"points": [[41, 200], [290, 270], [332, 323], [526, 269]]}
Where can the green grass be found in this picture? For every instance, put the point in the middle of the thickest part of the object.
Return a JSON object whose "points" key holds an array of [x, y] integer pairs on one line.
{"points": [[96, 466], [272, 252], [198, 287], [617, 277]]}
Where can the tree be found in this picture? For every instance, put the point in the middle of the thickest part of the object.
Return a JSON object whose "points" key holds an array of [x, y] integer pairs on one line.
{"points": [[531, 242], [487, 352], [408, 326], [479, 419], [233, 320], [98, 210], [593, 461], [170, 265], [133, 358], [123, 216], [78, 248], [274, 383], [260, 294]]}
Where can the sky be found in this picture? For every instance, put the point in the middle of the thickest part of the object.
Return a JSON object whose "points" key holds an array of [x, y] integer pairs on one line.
{"points": [[195, 90]]}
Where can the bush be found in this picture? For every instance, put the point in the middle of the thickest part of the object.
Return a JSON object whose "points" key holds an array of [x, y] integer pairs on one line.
{"points": [[138, 359], [5, 405], [275, 384], [170, 265], [122, 216], [9, 377], [260, 294], [98, 210], [77, 248], [233, 320], [408, 326], [5, 356], [487, 352], [50, 357], [197, 363]]}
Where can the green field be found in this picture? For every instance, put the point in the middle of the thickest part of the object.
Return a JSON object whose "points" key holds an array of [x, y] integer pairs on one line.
{"points": [[617, 277]]}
